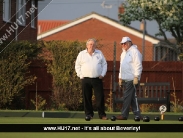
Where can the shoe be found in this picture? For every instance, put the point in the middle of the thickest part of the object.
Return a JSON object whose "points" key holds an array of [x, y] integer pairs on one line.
{"points": [[141, 118], [104, 118], [120, 117], [90, 116]]}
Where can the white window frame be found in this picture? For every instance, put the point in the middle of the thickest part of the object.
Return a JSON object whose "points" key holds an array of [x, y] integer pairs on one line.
{"points": [[33, 24], [7, 10], [21, 8]]}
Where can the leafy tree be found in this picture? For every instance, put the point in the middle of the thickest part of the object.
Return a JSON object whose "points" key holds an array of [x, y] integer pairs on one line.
{"points": [[167, 13], [14, 74]]}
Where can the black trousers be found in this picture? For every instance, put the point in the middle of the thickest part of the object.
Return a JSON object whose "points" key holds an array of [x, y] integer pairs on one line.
{"points": [[96, 84]]}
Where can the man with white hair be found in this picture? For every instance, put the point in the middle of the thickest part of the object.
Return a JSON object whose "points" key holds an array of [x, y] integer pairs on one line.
{"points": [[91, 67], [129, 76]]}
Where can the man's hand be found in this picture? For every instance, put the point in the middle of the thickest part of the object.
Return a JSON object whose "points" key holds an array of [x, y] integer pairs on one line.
{"points": [[135, 81], [100, 77], [120, 82]]}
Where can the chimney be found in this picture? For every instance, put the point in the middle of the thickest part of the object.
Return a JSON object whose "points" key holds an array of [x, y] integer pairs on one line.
{"points": [[121, 10]]}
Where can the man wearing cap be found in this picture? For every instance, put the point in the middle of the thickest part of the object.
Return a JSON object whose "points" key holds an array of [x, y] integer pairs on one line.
{"points": [[91, 67], [129, 76]]}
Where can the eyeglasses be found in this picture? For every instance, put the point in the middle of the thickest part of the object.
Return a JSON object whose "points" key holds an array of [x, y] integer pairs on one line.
{"points": [[123, 43]]}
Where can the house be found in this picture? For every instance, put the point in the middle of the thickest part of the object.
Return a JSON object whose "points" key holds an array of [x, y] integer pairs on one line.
{"points": [[106, 30], [18, 20]]}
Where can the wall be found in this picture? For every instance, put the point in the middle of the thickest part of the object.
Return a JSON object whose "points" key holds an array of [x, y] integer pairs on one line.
{"points": [[43, 84]]}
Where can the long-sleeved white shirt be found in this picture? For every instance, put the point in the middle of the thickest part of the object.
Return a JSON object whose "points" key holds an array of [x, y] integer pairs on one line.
{"points": [[130, 64], [91, 66]]}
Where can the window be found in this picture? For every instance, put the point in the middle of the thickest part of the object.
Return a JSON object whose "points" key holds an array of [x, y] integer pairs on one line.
{"points": [[33, 4], [21, 7], [7, 10], [165, 53]]}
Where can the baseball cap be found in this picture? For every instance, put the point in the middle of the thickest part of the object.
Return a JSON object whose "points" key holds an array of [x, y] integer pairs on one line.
{"points": [[125, 39]]}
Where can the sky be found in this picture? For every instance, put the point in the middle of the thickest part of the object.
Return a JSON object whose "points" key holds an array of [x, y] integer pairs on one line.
{"points": [[73, 9]]}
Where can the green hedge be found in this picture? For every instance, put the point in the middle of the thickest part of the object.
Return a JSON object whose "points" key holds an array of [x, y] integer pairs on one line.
{"points": [[67, 94], [14, 74]]}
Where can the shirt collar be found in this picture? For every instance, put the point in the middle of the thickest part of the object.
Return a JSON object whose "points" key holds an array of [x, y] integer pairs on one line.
{"points": [[95, 51]]}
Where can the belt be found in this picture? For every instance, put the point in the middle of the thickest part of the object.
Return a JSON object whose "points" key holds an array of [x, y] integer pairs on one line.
{"points": [[91, 78], [126, 80]]}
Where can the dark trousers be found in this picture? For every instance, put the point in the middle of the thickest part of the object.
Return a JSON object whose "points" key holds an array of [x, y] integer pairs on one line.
{"points": [[130, 99], [96, 84]]}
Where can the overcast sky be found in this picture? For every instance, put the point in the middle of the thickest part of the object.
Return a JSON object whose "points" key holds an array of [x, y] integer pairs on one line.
{"points": [[72, 9]]}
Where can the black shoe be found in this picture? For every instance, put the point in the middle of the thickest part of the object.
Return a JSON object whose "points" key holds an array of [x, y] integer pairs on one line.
{"points": [[90, 116]]}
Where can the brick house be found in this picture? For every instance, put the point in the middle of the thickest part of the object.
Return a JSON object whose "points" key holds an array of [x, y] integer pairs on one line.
{"points": [[18, 20], [100, 27]]}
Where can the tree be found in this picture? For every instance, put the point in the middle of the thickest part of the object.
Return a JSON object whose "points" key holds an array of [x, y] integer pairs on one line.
{"points": [[167, 13]]}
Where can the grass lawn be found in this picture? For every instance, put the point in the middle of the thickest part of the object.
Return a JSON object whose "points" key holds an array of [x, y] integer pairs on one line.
{"points": [[39, 120]]}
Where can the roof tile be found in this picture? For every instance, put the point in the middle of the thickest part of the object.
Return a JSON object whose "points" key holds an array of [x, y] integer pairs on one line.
{"points": [[46, 25]]}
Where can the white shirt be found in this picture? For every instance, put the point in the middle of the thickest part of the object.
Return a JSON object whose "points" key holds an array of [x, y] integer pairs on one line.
{"points": [[130, 64], [91, 66]]}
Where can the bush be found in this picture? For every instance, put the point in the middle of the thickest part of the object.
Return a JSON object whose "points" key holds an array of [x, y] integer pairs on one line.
{"points": [[39, 103], [67, 92], [14, 63]]}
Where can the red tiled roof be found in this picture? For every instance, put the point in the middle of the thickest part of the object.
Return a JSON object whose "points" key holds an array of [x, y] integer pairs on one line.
{"points": [[46, 25]]}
